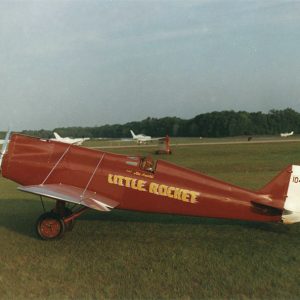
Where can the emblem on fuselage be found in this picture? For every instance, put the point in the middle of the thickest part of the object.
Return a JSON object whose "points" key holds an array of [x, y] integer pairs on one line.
{"points": [[172, 192]]}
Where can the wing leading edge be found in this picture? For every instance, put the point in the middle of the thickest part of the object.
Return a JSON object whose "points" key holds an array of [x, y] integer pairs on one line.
{"points": [[72, 194]]}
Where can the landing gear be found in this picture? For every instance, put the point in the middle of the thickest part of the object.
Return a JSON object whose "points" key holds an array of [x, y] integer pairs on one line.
{"points": [[50, 226], [53, 225], [70, 224]]}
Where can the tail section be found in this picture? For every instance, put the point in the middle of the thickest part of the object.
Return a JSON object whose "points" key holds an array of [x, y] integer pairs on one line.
{"points": [[283, 193], [57, 136], [292, 202], [278, 186], [132, 133]]}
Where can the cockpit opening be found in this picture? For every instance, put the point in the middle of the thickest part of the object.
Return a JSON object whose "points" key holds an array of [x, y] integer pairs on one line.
{"points": [[148, 164]]}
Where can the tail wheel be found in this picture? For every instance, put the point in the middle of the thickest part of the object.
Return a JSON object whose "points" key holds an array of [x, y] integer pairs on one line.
{"points": [[50, 226]]}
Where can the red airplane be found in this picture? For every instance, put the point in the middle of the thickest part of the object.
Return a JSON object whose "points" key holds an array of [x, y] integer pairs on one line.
{"points": [[103, 181], [164, 146]]}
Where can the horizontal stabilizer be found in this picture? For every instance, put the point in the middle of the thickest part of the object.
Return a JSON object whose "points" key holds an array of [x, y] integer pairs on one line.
{"points": [[71, 194], [267, 207], [271, 203]]}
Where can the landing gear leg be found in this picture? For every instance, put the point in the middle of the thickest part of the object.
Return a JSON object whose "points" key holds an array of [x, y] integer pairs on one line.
{"points": [[64, 212], [53, 225]]}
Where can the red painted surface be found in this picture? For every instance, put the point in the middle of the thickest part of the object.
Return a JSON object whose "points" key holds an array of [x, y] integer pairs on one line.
{"points": [[168, 189]]}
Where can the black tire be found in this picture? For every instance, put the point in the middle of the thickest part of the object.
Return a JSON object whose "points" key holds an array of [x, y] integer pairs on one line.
{"points": [[50, 226]]}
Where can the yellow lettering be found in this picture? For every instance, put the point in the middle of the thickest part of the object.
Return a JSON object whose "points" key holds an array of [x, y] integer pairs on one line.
{"points": [[170, 192], [127, 181], [134, 184], [162, 190], [194, 196], [116, 178], [140, 185], [153, 188], [120, 180], [177, 193], [110, 178], [185, 196]]}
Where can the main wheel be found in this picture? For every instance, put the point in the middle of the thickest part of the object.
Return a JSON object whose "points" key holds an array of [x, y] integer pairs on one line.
{"points": [[50, 226]]}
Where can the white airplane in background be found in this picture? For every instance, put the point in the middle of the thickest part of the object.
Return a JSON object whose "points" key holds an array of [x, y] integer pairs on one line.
{"points": [[286, 134], [68, 140], [141, 138]]}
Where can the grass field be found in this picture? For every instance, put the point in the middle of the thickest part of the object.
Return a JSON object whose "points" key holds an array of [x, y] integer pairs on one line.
{"points": [[189, 140], [129, 255]]}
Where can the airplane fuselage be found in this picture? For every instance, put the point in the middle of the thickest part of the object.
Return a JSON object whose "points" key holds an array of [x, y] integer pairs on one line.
{"points": [[163, 188]]}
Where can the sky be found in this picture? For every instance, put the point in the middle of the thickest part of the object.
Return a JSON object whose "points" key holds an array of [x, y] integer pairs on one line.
{"points": [[90, 63]]}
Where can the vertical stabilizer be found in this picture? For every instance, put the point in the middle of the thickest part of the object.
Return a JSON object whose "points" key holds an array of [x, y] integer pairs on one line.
{"points": [[132, 133], [57, 136], [284, 190], [278, 186]]}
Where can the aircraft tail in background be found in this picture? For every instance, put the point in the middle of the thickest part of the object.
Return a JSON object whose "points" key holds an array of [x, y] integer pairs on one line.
{"points": [[57, 136], [132, 133]]}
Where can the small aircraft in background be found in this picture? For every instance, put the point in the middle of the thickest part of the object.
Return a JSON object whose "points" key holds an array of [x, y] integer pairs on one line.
{"points": [[68, 140], [88, 178], [143, 139], [286, 134], [140, 138]]}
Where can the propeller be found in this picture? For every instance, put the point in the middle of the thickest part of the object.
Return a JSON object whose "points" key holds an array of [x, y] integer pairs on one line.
{"points": [[4, 147]]}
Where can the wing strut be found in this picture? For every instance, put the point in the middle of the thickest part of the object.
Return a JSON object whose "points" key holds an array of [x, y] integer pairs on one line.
{"points": [[92, 176], [57, 163]]}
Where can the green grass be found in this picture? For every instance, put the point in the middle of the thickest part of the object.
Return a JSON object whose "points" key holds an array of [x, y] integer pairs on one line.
{"points": [[183, 140], [129, 255]]}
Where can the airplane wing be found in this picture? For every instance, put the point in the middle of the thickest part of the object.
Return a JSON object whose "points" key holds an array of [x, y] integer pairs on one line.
{"points": [[72, 194], [158, 138]]}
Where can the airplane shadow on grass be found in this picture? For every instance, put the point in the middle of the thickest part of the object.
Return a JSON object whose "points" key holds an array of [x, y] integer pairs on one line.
{"points": [[20, 216]]}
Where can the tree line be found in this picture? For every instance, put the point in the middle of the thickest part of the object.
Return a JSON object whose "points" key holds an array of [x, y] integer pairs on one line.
{"points": [[213, 124]]}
